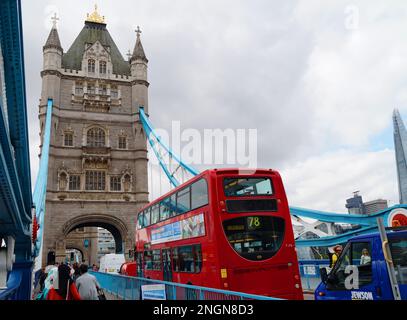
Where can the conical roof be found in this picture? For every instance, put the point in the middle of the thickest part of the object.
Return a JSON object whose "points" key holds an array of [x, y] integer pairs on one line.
{"points": [[91, 33], [138, 52], [53, 39]]}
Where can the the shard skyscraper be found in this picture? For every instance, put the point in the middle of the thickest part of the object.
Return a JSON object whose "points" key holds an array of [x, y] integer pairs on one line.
{"points": [[400, 145]]}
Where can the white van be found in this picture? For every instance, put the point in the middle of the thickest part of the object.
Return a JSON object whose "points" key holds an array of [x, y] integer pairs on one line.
{"points": [[111, 262]]}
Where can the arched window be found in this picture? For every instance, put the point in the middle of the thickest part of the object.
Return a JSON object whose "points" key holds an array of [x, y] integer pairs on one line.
{"points": [[96, 137], [102, 67], [91, 65]]}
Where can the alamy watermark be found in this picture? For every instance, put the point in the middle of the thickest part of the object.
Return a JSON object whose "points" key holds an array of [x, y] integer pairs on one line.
{"points": [[210, 147]]}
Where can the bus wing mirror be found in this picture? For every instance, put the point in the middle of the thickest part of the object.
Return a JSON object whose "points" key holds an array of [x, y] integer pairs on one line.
{"points": [[324, 275]]}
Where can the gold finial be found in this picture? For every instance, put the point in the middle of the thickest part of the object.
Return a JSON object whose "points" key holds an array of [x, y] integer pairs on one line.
{"points": [[95, 16]]}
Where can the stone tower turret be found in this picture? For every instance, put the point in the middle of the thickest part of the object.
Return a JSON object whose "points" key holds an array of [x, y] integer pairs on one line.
{"points": [[52, 56], [138, 62]]}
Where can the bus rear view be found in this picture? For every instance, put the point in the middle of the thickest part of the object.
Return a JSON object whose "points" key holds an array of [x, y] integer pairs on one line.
{"points": [[256, 240]]}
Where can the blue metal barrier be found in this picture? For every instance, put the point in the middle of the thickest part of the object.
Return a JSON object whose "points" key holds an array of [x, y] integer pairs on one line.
{"points": [[129, 288], [13, 286], [310, 273]]}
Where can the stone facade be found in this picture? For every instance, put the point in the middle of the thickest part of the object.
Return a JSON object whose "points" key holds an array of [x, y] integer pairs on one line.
{"points": [[98, 154]]}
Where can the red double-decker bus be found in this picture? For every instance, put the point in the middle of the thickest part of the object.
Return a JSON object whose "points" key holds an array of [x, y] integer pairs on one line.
{"points": [[225, 228]]}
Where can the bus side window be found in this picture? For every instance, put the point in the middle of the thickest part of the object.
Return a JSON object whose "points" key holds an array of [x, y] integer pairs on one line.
{"points": [[197, 257], [147, 217], [155, 213], [173, 205], [165, 210], [175, 259], [140, 220], [183, 200], [199, 194], [156, 259], [148, 260]]}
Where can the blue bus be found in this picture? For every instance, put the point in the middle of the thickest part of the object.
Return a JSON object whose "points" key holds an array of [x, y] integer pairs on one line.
{"points": [[361, 272]]}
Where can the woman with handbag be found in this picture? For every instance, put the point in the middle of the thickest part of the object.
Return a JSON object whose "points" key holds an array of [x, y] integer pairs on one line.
{"points": [[63, 287]]}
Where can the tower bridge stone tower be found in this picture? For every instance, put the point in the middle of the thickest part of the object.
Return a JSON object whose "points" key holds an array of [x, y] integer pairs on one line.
{"points": [[98, 154]]}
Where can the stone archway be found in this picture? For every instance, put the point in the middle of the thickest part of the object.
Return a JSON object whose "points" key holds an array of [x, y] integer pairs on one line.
{"points": [[81, 249], [113, 224]]}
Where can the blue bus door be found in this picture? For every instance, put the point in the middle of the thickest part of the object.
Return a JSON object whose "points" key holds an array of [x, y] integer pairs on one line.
{"points": [[353, 277]]}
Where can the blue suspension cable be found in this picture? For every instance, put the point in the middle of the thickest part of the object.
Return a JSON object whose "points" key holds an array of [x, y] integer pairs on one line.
{"points": [[40, 190]]}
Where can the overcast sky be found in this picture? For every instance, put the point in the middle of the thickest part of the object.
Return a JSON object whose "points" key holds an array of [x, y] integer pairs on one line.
{"points": [[317, 79]]}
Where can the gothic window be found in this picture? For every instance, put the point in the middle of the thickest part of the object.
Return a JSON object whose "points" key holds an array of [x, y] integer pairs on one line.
{"points": [[91, 65], [95, 180], [122, 143], [91, 89], [68, 139], [62, 181], [115, 183], [102, 67], [114, 93], [127, 183], [78, 89], [103, 90], [96, 137], [74, 182]]}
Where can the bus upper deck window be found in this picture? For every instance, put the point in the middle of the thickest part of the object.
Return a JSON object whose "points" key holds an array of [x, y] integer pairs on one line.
{"points": [[155, 213], [165, 211], [183, 200], [146, 217], [140, 220], [199, 194], [235, 187]]}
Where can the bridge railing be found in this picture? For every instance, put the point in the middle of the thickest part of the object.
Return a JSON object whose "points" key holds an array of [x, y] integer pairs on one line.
{"points": [[129, 288], [310, 272]]}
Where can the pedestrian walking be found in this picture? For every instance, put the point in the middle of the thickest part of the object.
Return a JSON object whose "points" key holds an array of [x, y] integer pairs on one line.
{"points": [[63, 287], [87, 284]]}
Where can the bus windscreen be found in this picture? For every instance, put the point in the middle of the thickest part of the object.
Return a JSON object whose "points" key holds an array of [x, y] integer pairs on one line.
{"points": [[255, 237]]}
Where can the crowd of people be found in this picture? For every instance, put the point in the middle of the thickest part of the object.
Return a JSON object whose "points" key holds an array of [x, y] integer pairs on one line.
{"points": [[67, 282]]}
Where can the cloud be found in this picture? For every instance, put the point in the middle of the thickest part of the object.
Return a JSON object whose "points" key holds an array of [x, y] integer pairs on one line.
{"points": [[293, 70], [325, 182]]}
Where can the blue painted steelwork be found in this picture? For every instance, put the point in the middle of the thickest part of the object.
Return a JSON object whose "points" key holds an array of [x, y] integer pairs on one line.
{"points": [[129, 288], [15, 177], [153, 139], [13, 286], [368, 223], [40, 189], [329, 241]]}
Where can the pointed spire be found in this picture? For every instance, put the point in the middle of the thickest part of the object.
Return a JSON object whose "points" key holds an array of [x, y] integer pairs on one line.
{"points": [[138, 52], [53, 38]]}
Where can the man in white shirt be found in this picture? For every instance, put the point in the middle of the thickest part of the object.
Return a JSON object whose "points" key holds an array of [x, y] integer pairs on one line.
{"points": [[87, 284]]}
